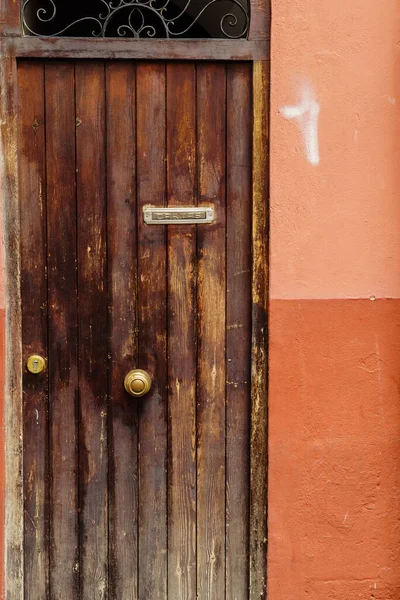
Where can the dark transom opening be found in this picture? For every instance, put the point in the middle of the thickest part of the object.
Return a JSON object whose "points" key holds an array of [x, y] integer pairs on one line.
{"points": [[137, 18]]}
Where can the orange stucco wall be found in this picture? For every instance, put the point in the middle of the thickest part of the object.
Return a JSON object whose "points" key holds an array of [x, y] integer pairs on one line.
{"points": [[334, 446]]}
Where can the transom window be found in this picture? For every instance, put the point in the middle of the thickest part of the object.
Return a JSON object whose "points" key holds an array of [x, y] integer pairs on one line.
{"points": [[137, 18]]}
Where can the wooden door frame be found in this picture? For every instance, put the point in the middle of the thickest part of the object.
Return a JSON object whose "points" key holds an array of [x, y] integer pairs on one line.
{"points": [[13, 45]]}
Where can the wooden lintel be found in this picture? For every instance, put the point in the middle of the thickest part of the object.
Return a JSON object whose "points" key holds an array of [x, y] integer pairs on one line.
{"points": [[108, 48]]}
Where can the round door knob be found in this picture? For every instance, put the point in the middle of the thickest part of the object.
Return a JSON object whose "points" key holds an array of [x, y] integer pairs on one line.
{"points": [[137, 382]]}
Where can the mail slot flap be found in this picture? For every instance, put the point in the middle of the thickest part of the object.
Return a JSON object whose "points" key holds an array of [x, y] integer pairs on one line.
{"points": [[176, 215]]}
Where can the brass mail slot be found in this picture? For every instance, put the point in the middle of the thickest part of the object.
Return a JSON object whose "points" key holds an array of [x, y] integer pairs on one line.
{"points": [[178, 215]]}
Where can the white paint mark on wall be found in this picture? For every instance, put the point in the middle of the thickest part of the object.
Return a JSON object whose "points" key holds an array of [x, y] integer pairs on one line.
{"points": [[392, 100], [306, 114]]}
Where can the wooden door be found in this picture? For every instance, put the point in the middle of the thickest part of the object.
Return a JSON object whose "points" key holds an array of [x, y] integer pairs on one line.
{"points": [[160, 497]]}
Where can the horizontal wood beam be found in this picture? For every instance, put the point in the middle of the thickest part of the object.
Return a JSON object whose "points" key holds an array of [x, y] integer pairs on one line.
{"points": [[109, 48]]}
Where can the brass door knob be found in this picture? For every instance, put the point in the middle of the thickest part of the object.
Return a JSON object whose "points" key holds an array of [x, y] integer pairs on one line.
{"points": [[137, 382]]}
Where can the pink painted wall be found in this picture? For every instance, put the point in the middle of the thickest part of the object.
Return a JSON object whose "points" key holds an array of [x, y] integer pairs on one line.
{"points": [[334, 445], [335, 228]]}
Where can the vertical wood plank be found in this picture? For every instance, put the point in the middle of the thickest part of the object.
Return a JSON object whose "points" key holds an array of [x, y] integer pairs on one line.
{"points": [[11, 531], [62, 298], [152, 289], [211, 107], [260, 22], [238, 335], [93, 327], [34, 325], [259, 368], [122, 285], [181, 177]]}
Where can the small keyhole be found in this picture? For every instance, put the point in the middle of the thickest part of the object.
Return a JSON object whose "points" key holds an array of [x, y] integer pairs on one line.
{"points": [[35, 364]]}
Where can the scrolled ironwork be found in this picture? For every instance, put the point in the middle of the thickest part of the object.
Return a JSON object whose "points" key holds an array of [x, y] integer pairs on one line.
{"points": [[137, 18]]}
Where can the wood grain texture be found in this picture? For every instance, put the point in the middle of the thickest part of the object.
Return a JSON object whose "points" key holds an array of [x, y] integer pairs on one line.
{"points": [[211, 107], [11, 460], [260, 25], [161, 49], [34, 326], [238, 330], [171, 495], [63, 332], [93, 328], [181, 181], [123, 327], [10, 19], [259, 359], [152, 293]]}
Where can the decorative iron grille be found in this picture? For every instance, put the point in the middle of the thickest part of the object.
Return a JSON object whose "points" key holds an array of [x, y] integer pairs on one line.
{"points": [[136, 18]]}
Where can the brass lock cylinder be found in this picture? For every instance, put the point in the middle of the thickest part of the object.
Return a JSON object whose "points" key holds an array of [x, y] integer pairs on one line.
{"points": [[35, 364], [137, 383]]}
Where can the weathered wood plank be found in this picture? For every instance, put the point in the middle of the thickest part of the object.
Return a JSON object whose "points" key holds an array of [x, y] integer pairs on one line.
{"points": [[10, 18], [122, 291], [93, 328], [259, 368], [238, 334], [166, 263], [152, 290], [181, 181], [11, 423], [32, 189], [211, 107], [11, 531], [152, 49], [62, 308], [260, 24]]}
